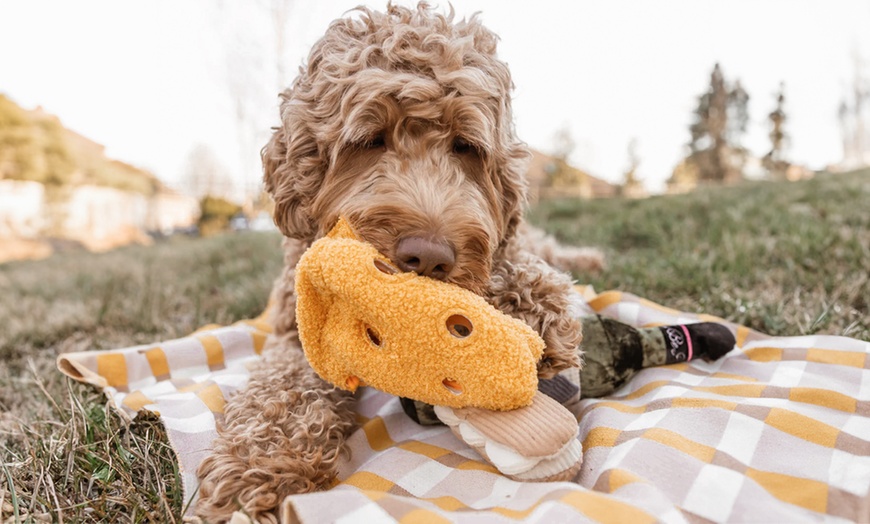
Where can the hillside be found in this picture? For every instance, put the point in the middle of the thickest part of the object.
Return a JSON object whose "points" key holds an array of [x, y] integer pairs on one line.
{"points": [[34, 145], [550, 177], [782, 257]]}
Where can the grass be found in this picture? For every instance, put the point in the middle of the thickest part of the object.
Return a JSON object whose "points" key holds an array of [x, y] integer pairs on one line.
{"points": [[787, 259], [66, 456], [783, 258]]}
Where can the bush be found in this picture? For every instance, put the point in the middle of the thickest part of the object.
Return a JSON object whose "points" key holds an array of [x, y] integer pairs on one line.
{"points": [[215, 214]]}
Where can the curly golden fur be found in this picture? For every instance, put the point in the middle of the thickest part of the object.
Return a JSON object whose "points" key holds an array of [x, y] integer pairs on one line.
{"points": [[401, 122]]}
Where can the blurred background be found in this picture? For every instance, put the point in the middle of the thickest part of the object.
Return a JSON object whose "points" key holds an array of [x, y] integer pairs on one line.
{"points": [[126, 121]]}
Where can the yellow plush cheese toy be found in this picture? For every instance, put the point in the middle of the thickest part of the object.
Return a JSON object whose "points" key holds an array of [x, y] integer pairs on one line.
{"points": [[363, 322]]}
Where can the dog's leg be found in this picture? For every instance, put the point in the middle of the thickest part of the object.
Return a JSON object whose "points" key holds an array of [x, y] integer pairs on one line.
{"points": [[284, 432], [566, 258], [524, 286], [283, 435]]}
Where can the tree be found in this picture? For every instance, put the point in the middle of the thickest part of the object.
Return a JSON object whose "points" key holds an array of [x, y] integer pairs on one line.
{"points": [[254, 61], [205, 175], [32, 146], [720, 121], [684, 177], [738, 119], [632, 186], [774, 161], [561, 177], [854, 119], [563, 143], [215, 215]]}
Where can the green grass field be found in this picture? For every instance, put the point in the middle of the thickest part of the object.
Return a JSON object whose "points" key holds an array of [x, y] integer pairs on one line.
{"points": [[787, 259], [783, 258]]}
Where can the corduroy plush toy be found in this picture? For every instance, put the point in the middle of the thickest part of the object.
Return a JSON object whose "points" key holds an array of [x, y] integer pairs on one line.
{"points": [[363, 322]]}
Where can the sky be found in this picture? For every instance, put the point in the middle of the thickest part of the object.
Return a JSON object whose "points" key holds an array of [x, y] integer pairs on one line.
{"points": [[151, 80]]}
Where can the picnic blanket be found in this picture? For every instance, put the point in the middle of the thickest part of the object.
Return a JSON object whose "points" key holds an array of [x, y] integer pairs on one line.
{"points": [[776, 431]]}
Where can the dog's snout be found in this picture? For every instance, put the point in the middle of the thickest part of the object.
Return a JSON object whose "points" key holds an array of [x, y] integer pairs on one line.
{"points": [[425, 257]]}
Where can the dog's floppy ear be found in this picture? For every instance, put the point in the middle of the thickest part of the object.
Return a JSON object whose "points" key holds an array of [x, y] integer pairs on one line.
{"points": [[511, 184], [293, 172], [295, 160], [511, 155]]}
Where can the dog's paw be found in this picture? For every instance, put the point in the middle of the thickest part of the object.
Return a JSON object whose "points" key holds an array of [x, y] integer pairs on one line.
{"points": [[580, 259]]}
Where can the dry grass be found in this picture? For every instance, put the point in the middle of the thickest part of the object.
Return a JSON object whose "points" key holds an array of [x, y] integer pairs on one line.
{"points": [[783, 258], [66, 456]]}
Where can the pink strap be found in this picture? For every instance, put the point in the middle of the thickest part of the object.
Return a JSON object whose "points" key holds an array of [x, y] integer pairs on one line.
{"points": [[688, 340]]}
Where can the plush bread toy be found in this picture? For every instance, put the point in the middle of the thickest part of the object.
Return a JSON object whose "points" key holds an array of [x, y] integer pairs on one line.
{"points": [[363, 322], [536, 443]]}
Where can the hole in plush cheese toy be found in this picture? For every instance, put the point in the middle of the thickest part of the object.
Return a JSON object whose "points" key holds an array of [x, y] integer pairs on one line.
{"points": [[361, 321]]}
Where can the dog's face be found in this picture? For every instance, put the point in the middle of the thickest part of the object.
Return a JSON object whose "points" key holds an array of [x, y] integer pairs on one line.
{"points": [[401, 122]]}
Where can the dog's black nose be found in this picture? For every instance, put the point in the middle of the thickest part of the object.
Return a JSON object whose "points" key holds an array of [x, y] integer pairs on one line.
{"points": [[425, 257]]}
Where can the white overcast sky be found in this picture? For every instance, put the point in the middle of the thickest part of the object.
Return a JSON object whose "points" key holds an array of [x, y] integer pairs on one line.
{"points": [[148, 78]]}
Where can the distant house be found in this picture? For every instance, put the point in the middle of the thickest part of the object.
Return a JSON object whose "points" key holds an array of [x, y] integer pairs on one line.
{"points": [[171, 211], [98, 217], [21, 208], [550, 177], [104, 217], [67, 188]]}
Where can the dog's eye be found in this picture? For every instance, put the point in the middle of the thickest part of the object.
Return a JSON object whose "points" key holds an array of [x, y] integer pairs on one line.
{"points": [[374, 142], [463, 147]]}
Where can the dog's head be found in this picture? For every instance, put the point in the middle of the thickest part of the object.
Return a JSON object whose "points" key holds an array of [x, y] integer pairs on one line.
{"points": [[401, 122]]}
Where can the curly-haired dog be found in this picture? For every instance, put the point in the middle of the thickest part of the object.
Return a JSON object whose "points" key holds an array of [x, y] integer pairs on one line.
{"points": [[401, 122]]}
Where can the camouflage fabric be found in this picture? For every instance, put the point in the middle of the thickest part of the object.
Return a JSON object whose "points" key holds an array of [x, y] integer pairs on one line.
{"points": [[614, 352]]}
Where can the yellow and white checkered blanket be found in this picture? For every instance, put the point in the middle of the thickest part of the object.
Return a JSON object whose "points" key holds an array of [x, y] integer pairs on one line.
{"points": [[776, 431]]}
